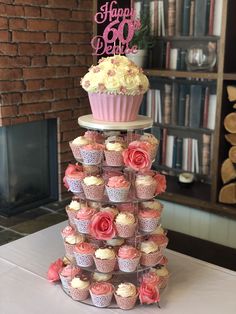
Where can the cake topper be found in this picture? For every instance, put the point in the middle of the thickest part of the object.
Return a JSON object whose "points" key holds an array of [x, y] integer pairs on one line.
{"points": [[121, 25]]}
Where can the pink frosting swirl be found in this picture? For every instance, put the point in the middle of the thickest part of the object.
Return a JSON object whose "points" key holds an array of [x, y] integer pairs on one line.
{"points": [[128, 252], [84, 248], [149, 213], [94, 146], [101, 288], [85, 213], [94, 136], [118, 182], [158, 238], [70, 271], [68, 231], [150, 278]]}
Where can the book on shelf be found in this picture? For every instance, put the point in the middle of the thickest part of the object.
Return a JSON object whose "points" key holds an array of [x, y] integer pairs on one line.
{"points": [[218, 7], [179, 152], [171, 17], [169, 151], [174, 100], [167, 104], [185, 17], [201, 18], [173, 59], [211, 116], [191, 17], [211, 17], [178, 17], [153, 13], [195, 106], [205, 165], [183, 91]]}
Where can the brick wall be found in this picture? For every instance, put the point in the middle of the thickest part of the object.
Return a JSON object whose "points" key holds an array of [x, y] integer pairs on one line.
{"points": [[44, 51]]}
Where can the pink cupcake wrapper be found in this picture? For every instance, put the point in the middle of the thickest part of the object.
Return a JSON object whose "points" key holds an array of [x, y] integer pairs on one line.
{"points": [[126, 303], [105, 265], [145, 192], [148, 224], [79, 294], [75, 151], [94, 192], [101, 300], [71, 215], [114, 158], [128, 265], [117, 194], [125, 231], [150, 259], [65, 282], [119, 108], [84, 260], [74, 185], [82, 225], [91, 157], [69, 248]]}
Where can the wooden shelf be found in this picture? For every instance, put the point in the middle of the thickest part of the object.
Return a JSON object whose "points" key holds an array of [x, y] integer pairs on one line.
{"points": [[181, 74], [229, 76]]}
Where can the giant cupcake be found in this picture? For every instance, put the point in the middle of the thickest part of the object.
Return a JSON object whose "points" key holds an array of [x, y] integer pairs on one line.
{"points": [[115, 88]]}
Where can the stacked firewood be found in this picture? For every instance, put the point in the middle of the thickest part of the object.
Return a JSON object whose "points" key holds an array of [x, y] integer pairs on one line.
{"points": [[228, 169]]}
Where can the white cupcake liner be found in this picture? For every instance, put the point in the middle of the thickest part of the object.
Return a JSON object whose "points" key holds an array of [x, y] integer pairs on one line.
{"points": [[128, 265], [82, 225], [84, 260]]}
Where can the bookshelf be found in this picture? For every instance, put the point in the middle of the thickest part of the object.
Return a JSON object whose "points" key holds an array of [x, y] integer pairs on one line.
{"points": [[204, 192]]}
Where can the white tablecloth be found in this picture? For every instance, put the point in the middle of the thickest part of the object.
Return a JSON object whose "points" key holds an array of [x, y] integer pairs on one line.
{"points": [[194, 287]]}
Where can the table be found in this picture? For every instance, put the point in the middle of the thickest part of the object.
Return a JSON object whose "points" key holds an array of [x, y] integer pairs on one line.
{"points": [[194, 287]]}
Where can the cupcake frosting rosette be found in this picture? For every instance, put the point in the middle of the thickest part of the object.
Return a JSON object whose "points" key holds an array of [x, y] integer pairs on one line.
{"points": [[105, 259], [71, 210], [113, 154], [69, 243], [128, 258], [93, 187], [148, 219], [79, 288], [126, 224], [67, 274], [73, 176], [145, 186], [150, 253]]}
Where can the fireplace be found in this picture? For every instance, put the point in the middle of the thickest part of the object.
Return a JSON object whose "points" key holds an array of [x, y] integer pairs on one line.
{"points": [[28, 165]]}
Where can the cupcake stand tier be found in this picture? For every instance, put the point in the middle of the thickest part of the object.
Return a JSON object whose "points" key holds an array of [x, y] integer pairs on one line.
{"points": [[141, 123]]}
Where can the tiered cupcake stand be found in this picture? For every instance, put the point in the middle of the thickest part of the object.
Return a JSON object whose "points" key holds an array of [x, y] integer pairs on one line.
{"points": [[131, 128]]}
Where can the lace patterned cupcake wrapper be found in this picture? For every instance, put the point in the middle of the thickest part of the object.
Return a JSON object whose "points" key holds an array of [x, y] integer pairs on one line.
{"points": [[74, 185], [117, 194], [75, 151], [105, 265], [69, 248], [91, 157], [126, 303], [82, 225], [148, 224], [94, 192], [113, 158], [84, 260], [126, 231], [150, 259], [145, 191], [79, 294], [128, 265]]}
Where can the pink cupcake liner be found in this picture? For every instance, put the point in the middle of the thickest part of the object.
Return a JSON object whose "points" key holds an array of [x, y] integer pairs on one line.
{"points": [[145, 192], [105, 265], [150, 259], [71, 215], [82, 225], [128, 265], [119, 108], [117, 194], [101, 300], [148, 224], [126, 303], [79, 294], [69, 248], [114, 158], [94, 192], [65, 281], [74, 185], [125, 231], [91, 157], [84, 260], [75, 151]]}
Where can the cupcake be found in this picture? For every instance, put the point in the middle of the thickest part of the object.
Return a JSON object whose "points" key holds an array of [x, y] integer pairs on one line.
{"points": [[115, 243], [125, 224], [115, 88], [100, 277], [126, 295], [70, 241], [68, 231], [91, 170], [163, 261], [92, 154], [163, 274], [71, 211], [127, 207], [93, 188], [145, 186], [128, 258], [79, 288], [160, 239], [83, 253], [83, 218], [118, 189], [105, 259], [150, 253], [75, 146], [73, 178], [148, 219], [101, 293], [67, 274], [113, 154], [153, 141]]}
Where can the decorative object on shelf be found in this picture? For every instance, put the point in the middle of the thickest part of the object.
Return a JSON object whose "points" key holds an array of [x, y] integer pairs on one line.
{"points": [[201, 57], [186, 179]]}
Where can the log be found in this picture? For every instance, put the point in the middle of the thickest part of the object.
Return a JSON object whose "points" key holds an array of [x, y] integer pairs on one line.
{"points": [[230, 122], [228, 171], [232, 154], [234, 106], [231, 92], [227, 194], [231, 138]]}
